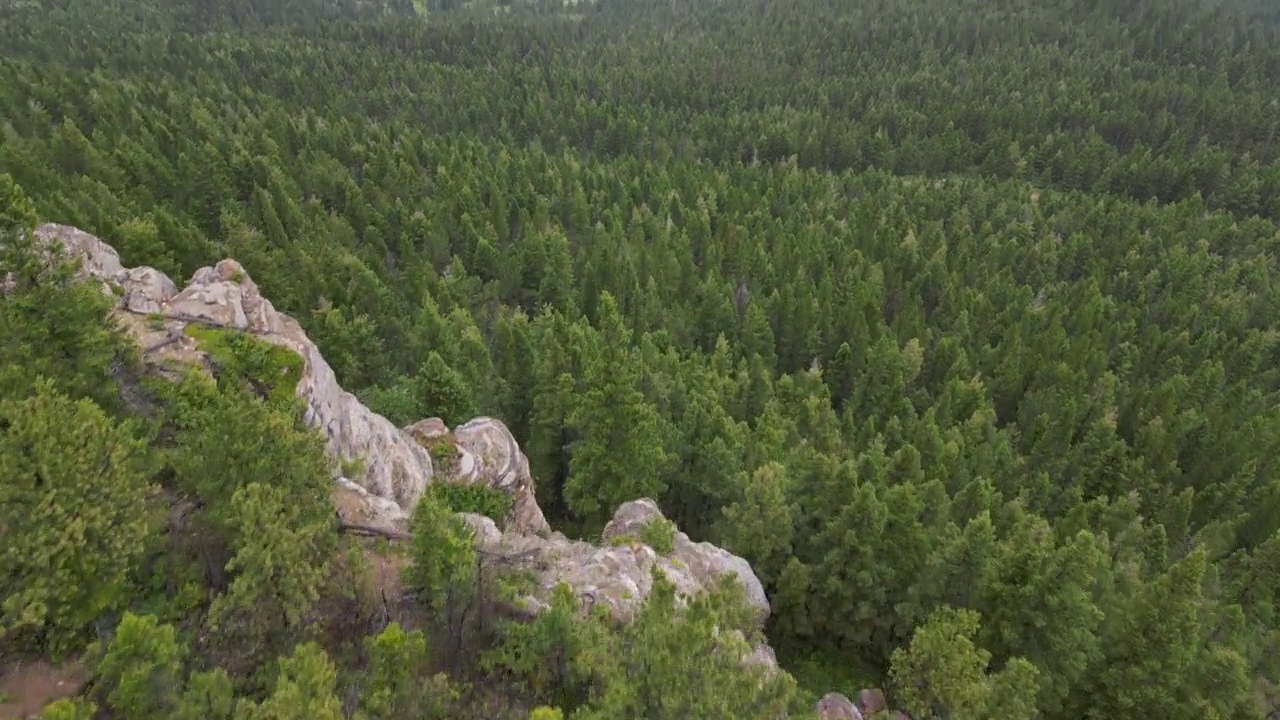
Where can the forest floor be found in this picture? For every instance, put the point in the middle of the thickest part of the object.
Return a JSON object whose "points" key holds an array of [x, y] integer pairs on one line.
{"points": [[26, 687]]}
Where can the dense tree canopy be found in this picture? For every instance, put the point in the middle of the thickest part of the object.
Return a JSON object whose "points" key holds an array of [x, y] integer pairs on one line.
{"points": [[959, 320]]}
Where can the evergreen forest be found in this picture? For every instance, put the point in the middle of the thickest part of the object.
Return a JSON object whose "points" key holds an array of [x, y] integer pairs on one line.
{"points": [[958, 319]]}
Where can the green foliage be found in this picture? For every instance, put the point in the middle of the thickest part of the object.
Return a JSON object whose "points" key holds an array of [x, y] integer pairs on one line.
{"points": [[304, 689], [17, 213], [352, 467], [618, 455], [281, 552], [758, 525], [444, 555], [228, 439], [666, 664], [545, 713], [395, 657], [444, 456], [398, 401], [273, 371], [69, 709], [700, 673], [209, 695], [139, 243], [444, 392], [658, 533], [436, 389], [480, 499], [398, 683], [75, 517], [942, 674], [544, 653], [141, 667], [47, 319], [1160, 656], [264, 481]]}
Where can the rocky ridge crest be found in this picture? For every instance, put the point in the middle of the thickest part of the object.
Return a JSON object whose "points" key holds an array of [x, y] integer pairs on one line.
{"points": [[396, 465]]}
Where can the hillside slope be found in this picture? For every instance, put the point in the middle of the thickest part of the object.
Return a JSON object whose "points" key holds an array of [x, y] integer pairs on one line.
{"points": [[958, 321]]}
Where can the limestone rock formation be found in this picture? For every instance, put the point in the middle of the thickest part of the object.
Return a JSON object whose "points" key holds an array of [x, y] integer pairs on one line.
{"points": [[834, 706], [617, 575], [397, 464], [488, 454], [871, 701], [358, 506], [395, 467]]}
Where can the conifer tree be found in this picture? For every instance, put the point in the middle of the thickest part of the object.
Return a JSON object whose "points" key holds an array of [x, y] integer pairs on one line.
{"points": [[304, 689], [75, 517], [618, 455], [141, 668]]}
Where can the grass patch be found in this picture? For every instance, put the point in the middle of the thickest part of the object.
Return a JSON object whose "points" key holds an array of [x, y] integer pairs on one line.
{"points": [[271, 370], [478, 499], [444, 455], [659, 534], [352, 468]]}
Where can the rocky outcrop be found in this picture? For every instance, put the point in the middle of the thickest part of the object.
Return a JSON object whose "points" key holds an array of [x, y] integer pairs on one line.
{"points": [[618, 574], [485, 452], [834, 706], [151, 308], [871, 701], [871, 704], [397, 464]]}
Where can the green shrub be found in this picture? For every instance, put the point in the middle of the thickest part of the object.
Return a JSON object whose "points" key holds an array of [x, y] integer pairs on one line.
{"points": [[272, 370], [659, 534], [75, 517], [353, 467], [66, 709], [479, 499], [444, 456]]}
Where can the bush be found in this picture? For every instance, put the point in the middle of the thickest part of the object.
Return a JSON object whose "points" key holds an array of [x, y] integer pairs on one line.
{"points": [[479, 499]]}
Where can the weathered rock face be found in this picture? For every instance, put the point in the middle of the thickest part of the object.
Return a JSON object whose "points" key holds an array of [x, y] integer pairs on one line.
{"points": [[871, 701], [488, 454], [702, 561], [834, 706], [395, 467], [358, 506], [618, 575], [397, 464]]}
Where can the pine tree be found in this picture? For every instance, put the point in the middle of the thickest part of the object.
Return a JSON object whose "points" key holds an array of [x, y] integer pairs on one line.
{"points": [[759, 525], [444, 557], [304, 689], [75, 517], [443, 392], [141, 668], [943, 674], [209, 695], [673, 663], [280, 558], [52, 325], [618, 455], [397, 683]]}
